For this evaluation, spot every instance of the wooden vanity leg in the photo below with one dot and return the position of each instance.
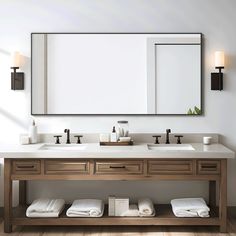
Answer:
(7, 196)
(212, 194)
(223, 197)
(22, 192)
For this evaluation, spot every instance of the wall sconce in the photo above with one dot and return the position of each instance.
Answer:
(217, 78)
(17, 78)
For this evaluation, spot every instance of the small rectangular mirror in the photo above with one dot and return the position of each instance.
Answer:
(116, 73)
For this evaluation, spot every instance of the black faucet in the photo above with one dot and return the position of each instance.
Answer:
(67, 131)
(168, 131)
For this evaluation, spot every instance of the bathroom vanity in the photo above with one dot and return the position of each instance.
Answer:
(139, 162)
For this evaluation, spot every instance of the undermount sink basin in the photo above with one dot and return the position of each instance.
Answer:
(66, 147)
(171, 147)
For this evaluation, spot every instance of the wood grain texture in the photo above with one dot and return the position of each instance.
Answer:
(223, 197)
(208, 167)
(7, 196)
(118, 169)
(164, 216)
(123, 230)
(170, 167)
(65, 167)
(26, 167)
(114, 167)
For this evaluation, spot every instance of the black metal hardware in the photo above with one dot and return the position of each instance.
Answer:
(57, 138)
(115, 33)
(25, 167)
(156, 138)
(78, 138)
(117, 167)
(168, 131)
(217, 80)
(67, 131)
(178, 138)
(209, 166)
(17, 79)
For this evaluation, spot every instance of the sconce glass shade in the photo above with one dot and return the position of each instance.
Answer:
(17, 78)
(219, 59)
(16, 59)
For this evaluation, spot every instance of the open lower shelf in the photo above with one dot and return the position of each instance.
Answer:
(164, 216)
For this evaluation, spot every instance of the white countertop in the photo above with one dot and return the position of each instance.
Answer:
(94, 150)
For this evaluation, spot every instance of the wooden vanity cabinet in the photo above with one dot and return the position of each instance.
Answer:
(171, 167)
(66, 167)
(121, 167)
(208, 167)
(26, 167)
(212, 170)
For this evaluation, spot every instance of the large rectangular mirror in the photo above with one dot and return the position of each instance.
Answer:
(114, 73)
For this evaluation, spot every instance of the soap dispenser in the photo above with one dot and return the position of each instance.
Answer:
(114, 135)
(33, 134)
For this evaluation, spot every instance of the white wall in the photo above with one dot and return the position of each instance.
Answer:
(214, 18)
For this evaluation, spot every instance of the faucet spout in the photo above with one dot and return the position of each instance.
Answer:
(67, 131)
(168, 131)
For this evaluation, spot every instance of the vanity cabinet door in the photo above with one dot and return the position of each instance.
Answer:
(66, 167)
(119, 167)
(24, 167)
(163, 167)
(208, 167)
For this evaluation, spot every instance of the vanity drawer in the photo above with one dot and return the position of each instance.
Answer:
(208, 167)
(26, 167)
(163, 167)
(119, 167)
(67, 167)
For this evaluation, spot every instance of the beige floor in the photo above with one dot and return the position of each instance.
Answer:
(120, 230)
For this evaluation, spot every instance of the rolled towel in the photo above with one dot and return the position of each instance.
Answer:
(133, 211)
(190, 207)
(44, 207)
(86, 208)
(145, 207)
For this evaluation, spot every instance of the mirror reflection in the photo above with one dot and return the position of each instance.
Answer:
(128, 73)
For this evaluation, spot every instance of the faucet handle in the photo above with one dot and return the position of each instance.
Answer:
(157, 138)
(178, 138)
(57, 138)
(78, 138)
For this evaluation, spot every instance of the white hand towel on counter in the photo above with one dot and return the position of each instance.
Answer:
(133, 211)
(146, 207)
(86, 208)
(190, 207)
(44, 207)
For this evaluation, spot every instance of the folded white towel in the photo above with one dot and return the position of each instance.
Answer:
(44, 207)
(145, 207)
(86, 208)
(190, 207)
(133, 211)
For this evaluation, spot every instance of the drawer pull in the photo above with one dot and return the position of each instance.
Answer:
(117, 167)
(209, 166)
(25, 167)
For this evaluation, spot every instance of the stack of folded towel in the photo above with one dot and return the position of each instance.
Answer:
(190, 207)
(86, 208)
(145, 207)
(45, 208)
